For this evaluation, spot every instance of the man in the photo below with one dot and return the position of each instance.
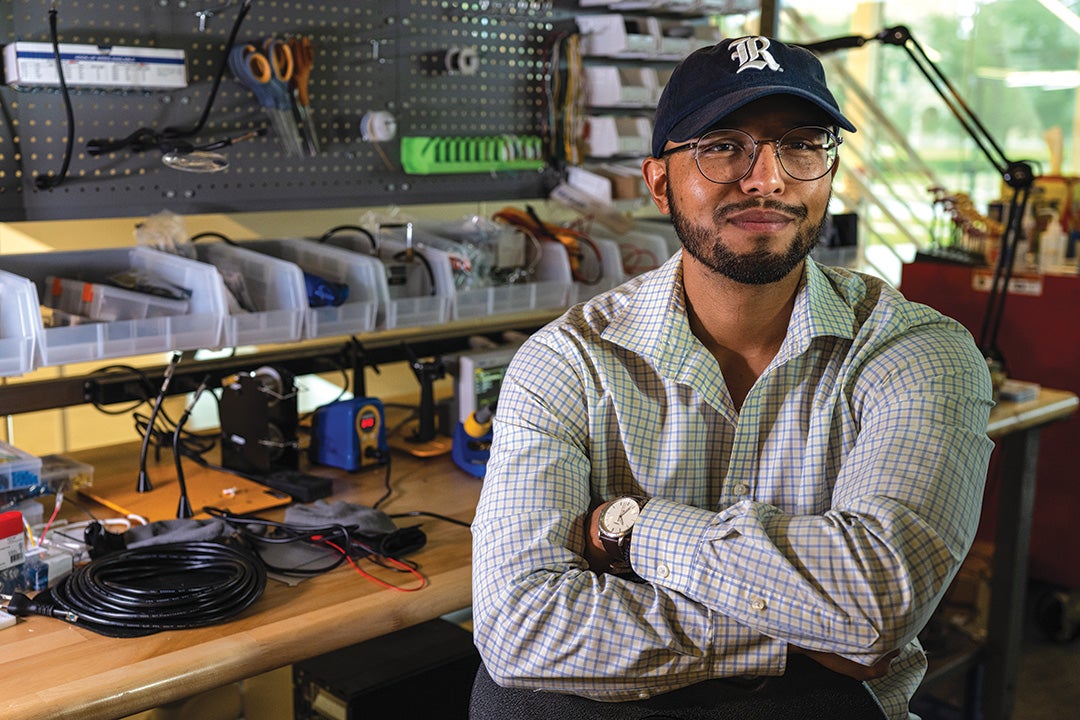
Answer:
(740, 465)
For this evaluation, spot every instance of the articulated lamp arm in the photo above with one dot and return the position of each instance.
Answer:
(1018, 175)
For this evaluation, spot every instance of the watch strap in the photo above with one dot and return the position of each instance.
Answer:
(619, 548)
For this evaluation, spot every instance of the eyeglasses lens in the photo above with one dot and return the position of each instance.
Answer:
(805, 153)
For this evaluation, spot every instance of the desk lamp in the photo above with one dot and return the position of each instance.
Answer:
(1017, 175)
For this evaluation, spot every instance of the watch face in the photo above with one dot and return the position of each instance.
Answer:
(620, 516)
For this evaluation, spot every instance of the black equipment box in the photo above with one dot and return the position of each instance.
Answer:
(425, 670)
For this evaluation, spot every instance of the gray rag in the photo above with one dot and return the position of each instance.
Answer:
(366, 520)
(171, 531)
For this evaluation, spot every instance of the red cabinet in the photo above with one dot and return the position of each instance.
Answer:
(1039, 338)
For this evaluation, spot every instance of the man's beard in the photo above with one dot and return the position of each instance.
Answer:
(758, 267)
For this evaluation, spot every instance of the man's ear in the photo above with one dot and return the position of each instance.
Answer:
(654, 170)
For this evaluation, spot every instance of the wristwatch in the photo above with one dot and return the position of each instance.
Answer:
(616, 523)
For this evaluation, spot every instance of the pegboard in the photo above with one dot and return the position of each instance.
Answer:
(375, 55)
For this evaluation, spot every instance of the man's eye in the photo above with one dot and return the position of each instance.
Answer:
(719, 148)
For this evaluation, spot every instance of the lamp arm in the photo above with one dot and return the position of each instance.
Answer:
(1015, 174)
(1018, 175)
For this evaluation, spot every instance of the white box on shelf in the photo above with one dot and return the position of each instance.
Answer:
(610, 86)
(610, 136)
(619, 35)
(199, 327)
(602, 140)
(18, 315)
(705, 36)
(363, 276)
(592, 184)
(275, 288)
(676, 39)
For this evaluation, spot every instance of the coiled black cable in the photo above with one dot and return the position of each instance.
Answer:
(145, 590)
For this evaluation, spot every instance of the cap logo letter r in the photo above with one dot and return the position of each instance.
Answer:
(752, 53)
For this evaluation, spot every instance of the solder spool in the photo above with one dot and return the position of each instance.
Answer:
(258, 413)
(272, 383)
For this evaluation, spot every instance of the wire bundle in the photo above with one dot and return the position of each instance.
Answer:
(142, 591)
(586, 263)
(314, 550)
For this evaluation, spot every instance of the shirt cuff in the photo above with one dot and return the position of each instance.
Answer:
(666, 539)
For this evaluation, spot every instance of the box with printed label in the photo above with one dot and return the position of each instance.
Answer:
(12, 551)
(33, 65)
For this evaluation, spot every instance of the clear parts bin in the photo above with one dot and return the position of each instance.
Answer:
(273, 287)
(105, 303)
(18, 309)
(412, 297)
(199, 327)
(363, 276)
(550, 289)
(18, 469)
(611, 273)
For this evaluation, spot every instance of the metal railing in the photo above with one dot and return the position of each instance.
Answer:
(882, 178)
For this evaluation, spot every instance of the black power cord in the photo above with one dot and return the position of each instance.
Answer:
(170, 139)
(48, 182)
(132, 593)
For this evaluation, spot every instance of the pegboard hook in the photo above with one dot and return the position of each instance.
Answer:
(207, 13)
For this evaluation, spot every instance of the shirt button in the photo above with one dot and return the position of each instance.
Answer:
(643, 695)
(740, 489)
(663, 570)
(757, 604)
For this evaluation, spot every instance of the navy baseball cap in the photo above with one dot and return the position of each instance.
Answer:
(715, 81)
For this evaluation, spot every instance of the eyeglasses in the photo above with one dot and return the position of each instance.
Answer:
(727, 156)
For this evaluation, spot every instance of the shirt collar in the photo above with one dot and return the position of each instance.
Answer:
(663, 336)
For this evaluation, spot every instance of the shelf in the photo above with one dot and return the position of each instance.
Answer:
(301, 358)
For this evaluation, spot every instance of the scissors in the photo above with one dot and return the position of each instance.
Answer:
(303, 60)
(267, 73)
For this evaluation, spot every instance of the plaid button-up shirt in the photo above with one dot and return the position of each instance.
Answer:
(829, 512)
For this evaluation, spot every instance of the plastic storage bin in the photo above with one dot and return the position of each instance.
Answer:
(18, 469)
(363, 275)
(275, 287)
(18, 314)
(639, 251)
(611, 271)
(551, 289)
(412, 299)
(200, 327)
(106, 303)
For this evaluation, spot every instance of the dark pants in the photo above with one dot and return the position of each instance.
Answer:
(807, 691)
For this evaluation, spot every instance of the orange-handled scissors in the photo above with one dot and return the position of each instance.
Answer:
(303, 55)
(267, 73)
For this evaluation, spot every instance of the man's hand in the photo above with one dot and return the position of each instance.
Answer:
(847, 667)
(595, 552)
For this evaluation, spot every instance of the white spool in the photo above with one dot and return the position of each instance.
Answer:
(378, 126)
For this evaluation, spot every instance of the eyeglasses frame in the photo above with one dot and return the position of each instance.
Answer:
(775, 142)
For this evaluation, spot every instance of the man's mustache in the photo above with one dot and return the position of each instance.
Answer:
(797, 211)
